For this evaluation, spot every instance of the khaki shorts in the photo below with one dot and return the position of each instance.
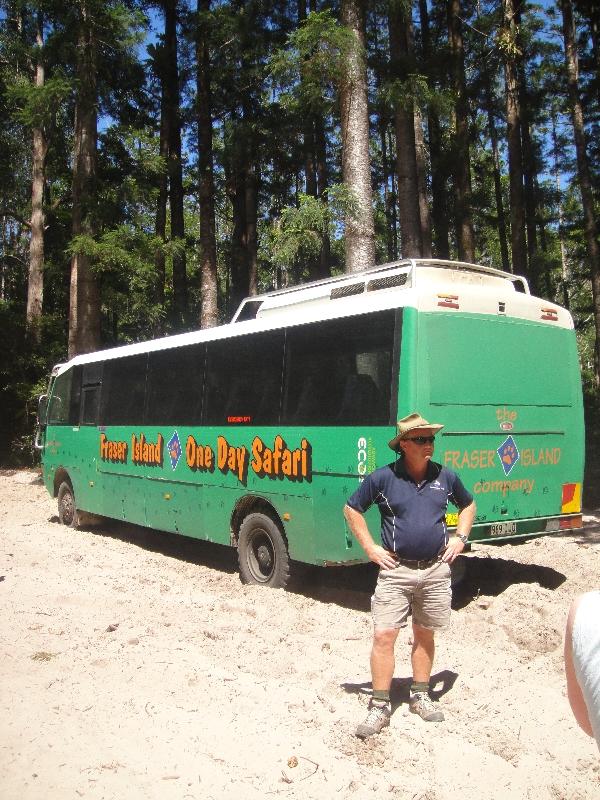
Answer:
(425, 592)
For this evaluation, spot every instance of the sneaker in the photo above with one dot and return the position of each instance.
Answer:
(377, 719)
(420, 703)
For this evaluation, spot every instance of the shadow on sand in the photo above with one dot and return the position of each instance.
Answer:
(491, 576)
(349, 587)
(441, 683)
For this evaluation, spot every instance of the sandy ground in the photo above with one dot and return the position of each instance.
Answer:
(135, 665)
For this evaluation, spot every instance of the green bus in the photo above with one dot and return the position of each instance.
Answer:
(254, 433)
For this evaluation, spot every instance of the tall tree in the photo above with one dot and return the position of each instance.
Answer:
(583, 170)
(206, 183)
(494, 140)
(439, 170)
(356, 163)
(175, 165)
(511, 52)
(160, 220)
(462, 167)
(84, 308)
(530, 157)
(35, 283)
(402, 58)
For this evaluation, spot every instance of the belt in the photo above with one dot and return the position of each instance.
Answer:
(407, 562)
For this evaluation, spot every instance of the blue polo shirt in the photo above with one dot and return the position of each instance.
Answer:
(413, 521)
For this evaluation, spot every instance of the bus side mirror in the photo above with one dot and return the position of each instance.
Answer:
(42, 409)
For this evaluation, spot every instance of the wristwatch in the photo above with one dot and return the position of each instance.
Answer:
(464, 539)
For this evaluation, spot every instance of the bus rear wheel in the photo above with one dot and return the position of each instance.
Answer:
(67, 510)
(262, 552)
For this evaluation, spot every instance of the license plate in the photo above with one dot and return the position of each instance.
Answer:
(503, 528)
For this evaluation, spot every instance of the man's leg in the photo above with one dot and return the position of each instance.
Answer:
(382, 672)
(423, 652)
(390, 606)
(431, 612)
(382, 658)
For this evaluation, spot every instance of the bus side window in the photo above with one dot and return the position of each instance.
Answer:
(123, 390)
(175, 386)
(360, 401)
(243, 379)
(339, 372)
(60, 402)
(91, 384)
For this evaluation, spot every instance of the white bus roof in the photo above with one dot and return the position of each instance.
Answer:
(425, 284)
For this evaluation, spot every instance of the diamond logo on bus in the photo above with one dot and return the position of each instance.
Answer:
(508, 454)
(174, 446)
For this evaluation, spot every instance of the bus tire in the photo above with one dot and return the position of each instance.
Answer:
(67, 510)
(262, 552)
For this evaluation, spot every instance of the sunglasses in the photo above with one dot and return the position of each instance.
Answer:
(420, 439)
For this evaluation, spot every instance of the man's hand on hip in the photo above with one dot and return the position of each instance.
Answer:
(379, 555)
(453, 549)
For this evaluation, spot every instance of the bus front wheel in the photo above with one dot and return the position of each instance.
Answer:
(67, 510)
(262, 552)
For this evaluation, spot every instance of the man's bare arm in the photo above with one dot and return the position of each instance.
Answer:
(375, 552)
(466, 517)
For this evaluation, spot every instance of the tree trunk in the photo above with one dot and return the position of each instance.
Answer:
(84, 308)
(180, 290)
(206, 183)
(529, 173)
(309, 146)
(356, 165)
(322, 177)
(160, 225)
(322, 185)
(406, 157)
(591, 13)
(439, 198)
(515, 157)
(424, 215)
(35, 284)
(236, 190)
(502, 234)
(564, 266)
(583, 171)
(388, 193)
(462, 170)
(251, 227)
(530, 191)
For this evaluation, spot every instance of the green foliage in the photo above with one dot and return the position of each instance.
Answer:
(24, 368)
(314, 59)
(35, 106)
(507, 42)
(416, 90)
(299, 232)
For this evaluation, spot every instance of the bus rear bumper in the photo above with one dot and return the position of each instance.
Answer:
(525, 528)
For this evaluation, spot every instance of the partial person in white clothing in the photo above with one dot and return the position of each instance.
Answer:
(582, 662)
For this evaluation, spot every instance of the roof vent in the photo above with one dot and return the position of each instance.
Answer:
(387, 282)
(347, 291)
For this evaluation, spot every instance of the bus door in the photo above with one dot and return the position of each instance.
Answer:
(120, 475)
(174, 488)
(174, 492)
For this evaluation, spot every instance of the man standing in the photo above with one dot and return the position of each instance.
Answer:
(414, 559)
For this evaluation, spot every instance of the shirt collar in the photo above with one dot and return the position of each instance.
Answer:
(433, 470)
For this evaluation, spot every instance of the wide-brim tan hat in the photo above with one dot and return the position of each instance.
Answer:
(407, 424)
